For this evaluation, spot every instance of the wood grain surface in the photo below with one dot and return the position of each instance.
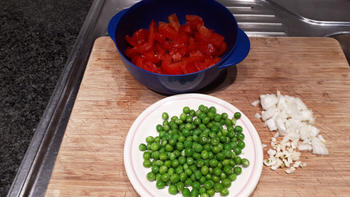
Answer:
(90, 160)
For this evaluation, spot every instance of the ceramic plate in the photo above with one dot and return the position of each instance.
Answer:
(145, 125)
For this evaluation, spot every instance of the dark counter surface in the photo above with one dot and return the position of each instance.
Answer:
(36, 38)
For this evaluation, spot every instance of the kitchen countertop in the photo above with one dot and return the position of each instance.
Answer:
(35, 41)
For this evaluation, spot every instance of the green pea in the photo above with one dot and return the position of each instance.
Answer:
(163, 169)
(188, 172)
(172, 190)
(224, 192)
(211, 192)
(240, 136)
(226, 183)
(197, 121)
(186, 110)
(186, 192)
(202, 180)
(238, 160)
(158, 163)
(212, 109)
(142, 147)
(237, 150)
(169, 148)
(238, 129)
(165, 116)
(198, 147)
(180, 186)
(194, 192)
(163, 156)
(167, 163)
(159, 128)
(245, 163)
(151, 176)
(216, 149)
(202, 190)
(188, 182)
(174, 178)
(206, 120)
(183, 117)
(220, 156)
(232, 177)
(208, 184)
(149, 139)
(181, 138)
(155, 169)
(241, 144)
(189, 119)
(188, 126)
(218, 187)
(175, 163)
(192, 112)
(171, 171)
(197, 174)
(160, 184)
(227, 169)
(213, 163)
(190, 161)
(216, 179)
(188, 152)
(183, 177)
(166, 127)
(205, 170)
(155, 146)
(237, 170)
(217, 171)
(146, 155)
(217, 117)
(237, 115)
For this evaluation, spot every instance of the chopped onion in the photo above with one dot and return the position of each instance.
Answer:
(292, 120)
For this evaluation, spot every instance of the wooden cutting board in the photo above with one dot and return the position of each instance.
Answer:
(90, 161)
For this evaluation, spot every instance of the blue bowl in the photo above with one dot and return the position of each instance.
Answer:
(215, 17)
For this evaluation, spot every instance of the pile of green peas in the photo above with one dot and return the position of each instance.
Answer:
(198, 150)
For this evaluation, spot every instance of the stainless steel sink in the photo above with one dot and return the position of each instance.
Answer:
(256, 17)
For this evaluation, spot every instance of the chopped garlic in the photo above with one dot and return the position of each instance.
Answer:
(290, 170)
(257, 115)
(255, 103)
(318, 147)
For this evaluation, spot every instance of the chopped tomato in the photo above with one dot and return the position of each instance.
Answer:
(172, 48)
(138, 38)
(174, 22)
(194, 21)
(152, 32)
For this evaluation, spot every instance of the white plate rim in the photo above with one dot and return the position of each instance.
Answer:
(258, 164)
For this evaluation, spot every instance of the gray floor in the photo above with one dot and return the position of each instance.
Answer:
(36, 38)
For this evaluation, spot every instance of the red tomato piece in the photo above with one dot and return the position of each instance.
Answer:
(174, 68)
(151, 56)
(167, 30)
(174, 22)
(152, 32)
(138, 38)
(204, 33)
(194, 21)
(131, 52)
(185, 29)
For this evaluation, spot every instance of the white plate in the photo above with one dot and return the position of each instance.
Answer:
(145, 125)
